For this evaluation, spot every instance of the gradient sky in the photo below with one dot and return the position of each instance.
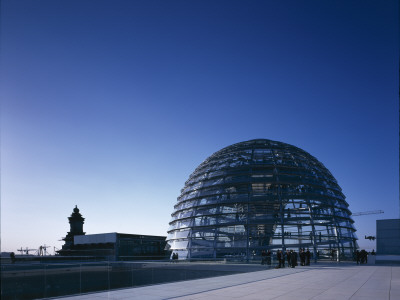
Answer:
(110, 105)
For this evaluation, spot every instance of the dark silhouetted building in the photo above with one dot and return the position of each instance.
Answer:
(76, 228)
(120, 246)
(110, 246)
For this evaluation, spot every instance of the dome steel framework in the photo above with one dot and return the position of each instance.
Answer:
(259, 195)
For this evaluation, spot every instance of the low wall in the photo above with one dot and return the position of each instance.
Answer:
(387, 259)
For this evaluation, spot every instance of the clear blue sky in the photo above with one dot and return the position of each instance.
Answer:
(110, 105)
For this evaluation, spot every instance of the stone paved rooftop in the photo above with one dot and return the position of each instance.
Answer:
(329, 281)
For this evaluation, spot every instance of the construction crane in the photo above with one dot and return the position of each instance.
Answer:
(42, 250)
(371, 212)
(26, 250)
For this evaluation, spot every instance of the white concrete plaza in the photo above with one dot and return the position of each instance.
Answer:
(329, 281)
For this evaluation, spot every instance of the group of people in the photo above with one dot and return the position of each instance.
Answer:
(174, 257)
(266, 257)
(289, 256)
(305, 257)
(361, 257)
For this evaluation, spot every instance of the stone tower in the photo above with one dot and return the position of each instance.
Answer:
(76, 228)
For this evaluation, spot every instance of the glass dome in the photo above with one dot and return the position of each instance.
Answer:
(260, 195)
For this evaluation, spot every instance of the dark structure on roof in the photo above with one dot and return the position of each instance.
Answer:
(110, 246)
(76, 228)
(259, 195)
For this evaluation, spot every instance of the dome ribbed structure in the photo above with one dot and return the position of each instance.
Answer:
(260, 195)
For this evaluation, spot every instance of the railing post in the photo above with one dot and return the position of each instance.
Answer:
(45, 281)
(80, 278)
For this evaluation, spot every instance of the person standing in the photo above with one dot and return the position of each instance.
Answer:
(269, 257)
(358, 257)
(308, 257)
(364, 256)
(263, 257)
(288, 258)
(279, 258)
(302, 257)
(294, 258)
(12, 257)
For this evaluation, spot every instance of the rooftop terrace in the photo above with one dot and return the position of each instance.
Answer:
(324, 281)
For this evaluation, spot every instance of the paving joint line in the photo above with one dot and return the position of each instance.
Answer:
(233, 285)
(363, 284)
(293, 290)
(335, 285)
